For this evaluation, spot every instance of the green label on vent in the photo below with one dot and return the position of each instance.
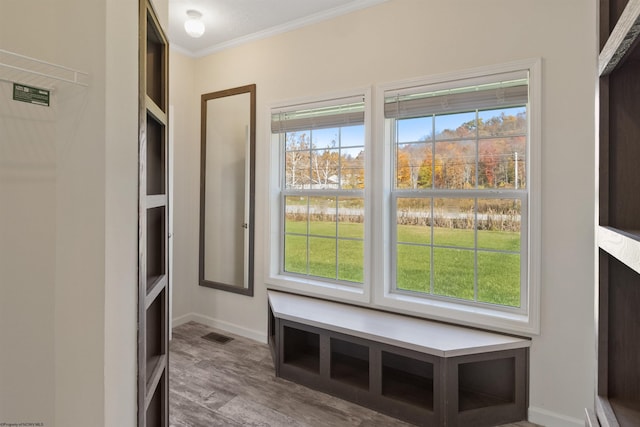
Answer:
(32, 95)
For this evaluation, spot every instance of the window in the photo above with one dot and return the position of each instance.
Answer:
(322, 181)
(459, 192)
(437, 216)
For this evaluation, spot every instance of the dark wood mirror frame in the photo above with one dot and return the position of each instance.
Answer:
(251, 90)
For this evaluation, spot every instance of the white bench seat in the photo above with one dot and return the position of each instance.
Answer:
(425, 336)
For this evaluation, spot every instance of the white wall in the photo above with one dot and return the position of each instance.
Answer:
(121, 223)
(27, 258)
(68, 239)
(36, 156)
(411, 38)
(186, 181)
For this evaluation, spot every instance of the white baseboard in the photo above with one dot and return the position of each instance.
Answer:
(547, 418)
(181, 320)
(222, 325)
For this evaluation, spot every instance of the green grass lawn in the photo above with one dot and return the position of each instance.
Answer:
(498, 274)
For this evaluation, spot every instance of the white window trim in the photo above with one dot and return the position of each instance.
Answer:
(527, 322)
(358, 294)
(376, 290)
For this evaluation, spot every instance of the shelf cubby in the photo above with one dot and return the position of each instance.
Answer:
(156, 64)
(156, 238)
(486, 383)
(301, 349)
(155, 318)
(350, 363)
(154, 412)
(156, 157)
(623, 348)
(407, 380)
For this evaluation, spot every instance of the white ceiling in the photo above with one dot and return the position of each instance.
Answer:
(232, 22)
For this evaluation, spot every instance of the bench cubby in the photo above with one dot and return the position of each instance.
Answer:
(433, 379)
(349, 363)
(301, 348)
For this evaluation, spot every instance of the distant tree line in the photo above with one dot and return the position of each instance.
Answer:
(484, 154)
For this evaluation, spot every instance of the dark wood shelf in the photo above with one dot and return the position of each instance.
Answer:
(153, 215)
(156, 201)
(156, 367)
(624, 245)
(617, 397)
(621, 38)
(155, 111)
(157, 285)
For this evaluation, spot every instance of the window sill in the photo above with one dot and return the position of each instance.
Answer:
(462, 314)
(439, 310)
(319, 289)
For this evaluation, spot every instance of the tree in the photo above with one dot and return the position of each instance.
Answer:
(425, 174)
(357, 169)
(325, 167)
(403, 170)
(297, 160)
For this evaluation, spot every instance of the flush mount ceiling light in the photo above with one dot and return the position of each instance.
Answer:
(194, 26)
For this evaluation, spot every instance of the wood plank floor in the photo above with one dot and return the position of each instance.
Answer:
(234, 384)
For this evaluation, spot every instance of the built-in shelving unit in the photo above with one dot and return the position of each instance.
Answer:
(153, 287)
(618, 231)
(423, 372)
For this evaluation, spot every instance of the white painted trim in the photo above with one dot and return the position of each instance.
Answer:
(376, 289)
(303, 285)
(283, 28)
(170, 202)
(181, 320)
(552, 419)
(259, 336)
(475, 315)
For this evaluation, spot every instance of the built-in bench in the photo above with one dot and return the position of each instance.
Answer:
(424, 372)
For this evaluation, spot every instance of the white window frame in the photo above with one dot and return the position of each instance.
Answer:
(307, 285)
(377, 292)
(525, 320)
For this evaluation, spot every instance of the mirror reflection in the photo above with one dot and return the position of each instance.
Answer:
(226, 189)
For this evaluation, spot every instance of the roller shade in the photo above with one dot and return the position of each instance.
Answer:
(425, 102)
(342, 112)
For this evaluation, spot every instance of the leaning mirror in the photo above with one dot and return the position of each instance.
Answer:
(227, 185)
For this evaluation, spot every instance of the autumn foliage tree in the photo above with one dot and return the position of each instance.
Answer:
(329, 166)
(480, 153)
